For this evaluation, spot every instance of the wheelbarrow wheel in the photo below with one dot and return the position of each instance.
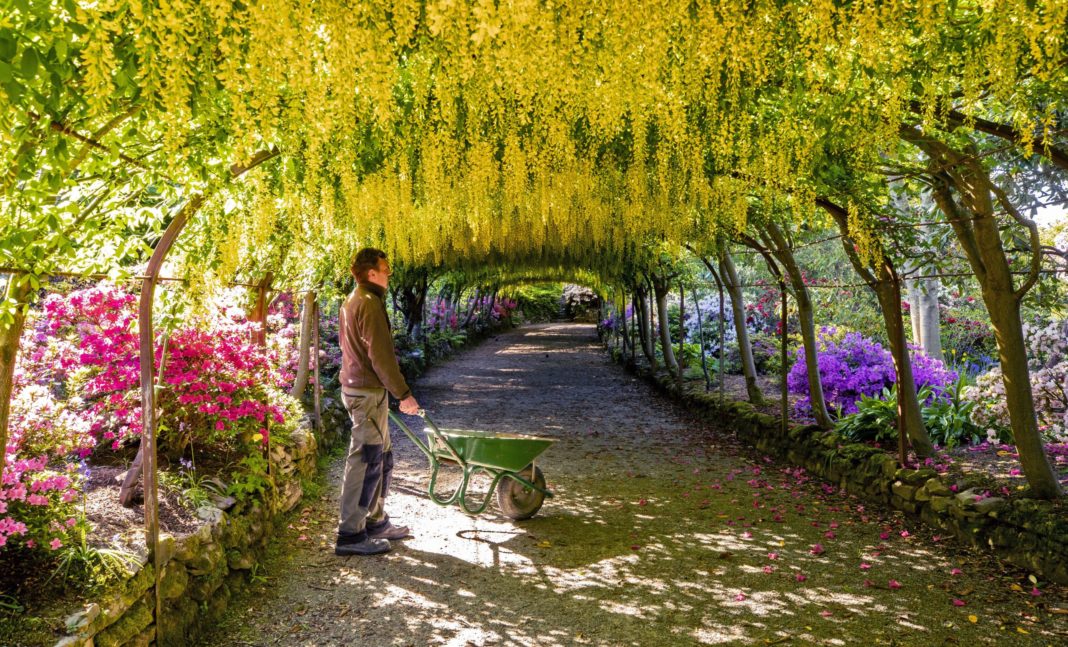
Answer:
(518, 501)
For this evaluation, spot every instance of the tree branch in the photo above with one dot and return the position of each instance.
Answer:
(1058, 156)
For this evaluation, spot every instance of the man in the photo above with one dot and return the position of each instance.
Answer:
(368, 370)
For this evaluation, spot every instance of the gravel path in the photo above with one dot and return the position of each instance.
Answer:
(663, 532)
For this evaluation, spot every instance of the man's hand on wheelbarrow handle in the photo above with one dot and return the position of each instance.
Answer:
(409, 406)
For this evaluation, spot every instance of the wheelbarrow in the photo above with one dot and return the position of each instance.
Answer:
(507, 458)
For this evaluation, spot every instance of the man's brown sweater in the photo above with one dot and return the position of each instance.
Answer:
(368, 359)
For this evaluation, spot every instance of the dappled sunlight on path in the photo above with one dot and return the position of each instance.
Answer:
(662, 531)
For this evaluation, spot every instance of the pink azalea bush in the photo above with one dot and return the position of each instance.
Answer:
(77, 391)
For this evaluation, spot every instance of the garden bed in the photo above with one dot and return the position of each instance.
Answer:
(210, 550)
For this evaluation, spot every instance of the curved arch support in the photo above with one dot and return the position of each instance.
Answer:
(146, 455)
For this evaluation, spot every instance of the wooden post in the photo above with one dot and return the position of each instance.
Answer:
(682, 334)
(259, 310)
(146, 455)
(259, 337)
(722, 342)
(784, 406)
(317, 389)
(148, 397)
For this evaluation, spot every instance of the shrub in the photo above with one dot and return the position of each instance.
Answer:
(852, 365)
(1047, 350)
(218, 386)
(77, 391)
(946, 418)
(537, 303)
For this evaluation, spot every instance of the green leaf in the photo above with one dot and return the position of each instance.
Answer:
(5, 72)
(14, 90)
(8, 47)
(29, 64)
(60, 47)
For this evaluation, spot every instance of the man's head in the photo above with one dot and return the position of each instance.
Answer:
(370, 266)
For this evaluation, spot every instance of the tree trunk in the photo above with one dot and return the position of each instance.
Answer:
(660, 289)
(976, 227)
(682, 335)
(745, 347)
(888, 291)
(645, 327)
(701, 338)
(908, 404)
(19, 294)
(307, 316)
(923, 307)
(781, 248)
(1012, 352)
(411, 305)
(471, 309)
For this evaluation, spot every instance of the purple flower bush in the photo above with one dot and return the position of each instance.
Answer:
(852, 365)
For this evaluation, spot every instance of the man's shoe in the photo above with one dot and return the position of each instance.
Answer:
(369, 546)
(390, 532)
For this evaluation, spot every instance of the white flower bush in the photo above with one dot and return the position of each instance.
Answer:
(1047, 348)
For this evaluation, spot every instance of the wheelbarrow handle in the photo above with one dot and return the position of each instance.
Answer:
(435, 430)
(441, 437)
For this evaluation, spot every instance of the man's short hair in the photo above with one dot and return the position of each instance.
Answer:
(365, 261)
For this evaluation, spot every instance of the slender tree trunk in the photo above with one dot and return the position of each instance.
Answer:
(908, 405)
(660, 289)
(781, 248)
(682, 335)
(923, 310)
(633, 330)
(474, 306)
(645, 331)
(888, 291)
(19, 294)
(307, 317)
(745, 347)
(701, 340)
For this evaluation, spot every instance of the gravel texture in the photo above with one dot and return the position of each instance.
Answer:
(663, 531)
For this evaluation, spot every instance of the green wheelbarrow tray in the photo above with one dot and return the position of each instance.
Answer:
(507, 458)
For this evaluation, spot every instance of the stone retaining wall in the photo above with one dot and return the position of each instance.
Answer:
(202, 570)
(1028, 533)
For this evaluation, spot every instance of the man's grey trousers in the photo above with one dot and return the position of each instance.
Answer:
(369, 465)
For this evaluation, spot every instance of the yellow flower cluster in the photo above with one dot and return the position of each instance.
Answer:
(548, 133)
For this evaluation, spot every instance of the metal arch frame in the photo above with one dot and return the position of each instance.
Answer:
(147, 370)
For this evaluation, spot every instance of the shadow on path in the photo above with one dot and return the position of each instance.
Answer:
(663, 531)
